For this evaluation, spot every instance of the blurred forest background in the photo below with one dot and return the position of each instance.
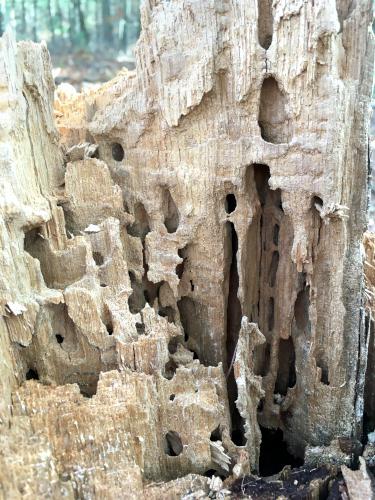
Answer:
(89, 40)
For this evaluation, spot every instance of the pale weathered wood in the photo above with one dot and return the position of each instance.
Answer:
(227, 188)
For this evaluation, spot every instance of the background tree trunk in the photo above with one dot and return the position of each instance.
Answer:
(72, 24)
(106, 23)
(1, 22)
(98, 30)
(50, 21)
(23, 17)
(60, 20)
(35, 20)
(81, 20)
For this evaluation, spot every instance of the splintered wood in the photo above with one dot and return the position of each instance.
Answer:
(182, 269)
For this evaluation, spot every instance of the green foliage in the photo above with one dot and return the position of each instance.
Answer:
(89, 25)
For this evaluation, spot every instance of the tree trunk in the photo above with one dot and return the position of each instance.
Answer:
(82, 25)
(13, 15)
(59, 21)
(23, 18)
(50, 22)
(72, 24)
(106, 23)
(124, 37)
(187, 290)
(1, 22)
(98, 29)
(35, 20)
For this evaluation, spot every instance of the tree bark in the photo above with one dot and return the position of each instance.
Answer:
(183, 295)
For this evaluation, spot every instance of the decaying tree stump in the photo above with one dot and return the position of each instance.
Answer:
(185, 283)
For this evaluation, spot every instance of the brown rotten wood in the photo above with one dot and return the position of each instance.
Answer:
(186, 298)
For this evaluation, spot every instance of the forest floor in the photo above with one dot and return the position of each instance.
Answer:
(87, 69)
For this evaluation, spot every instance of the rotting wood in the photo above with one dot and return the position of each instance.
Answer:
(226, 184)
